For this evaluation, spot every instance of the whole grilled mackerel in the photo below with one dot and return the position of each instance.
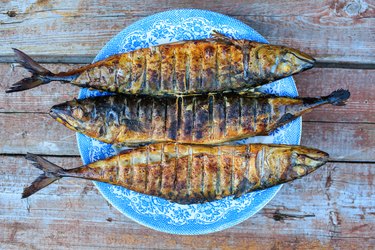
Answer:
(187, 67)
(203, 119)
(191, 174)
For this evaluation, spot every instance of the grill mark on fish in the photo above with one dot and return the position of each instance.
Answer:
(246, 57)
(247, 159)
(138, 109)
(147, 166)
(232, 173)
(115, 81)
(174, 84)
(194, 117)
(200, 74)
(239, 126)
(255, 115)
(132, 81)
(162, 160)
(202, 118)
(131, 171)
(121, 173)
(175, 167)
(211, 114)
(260, 165)
(218, 173)
(189, 166)
(216, 75)
(117, 169)
(145, 85)
(187, 71)
(179, 117)
(165, 118)
(159, 83)
(203, 175)
(130, 70)
(151, 120)
(225, 116)
(231, 69)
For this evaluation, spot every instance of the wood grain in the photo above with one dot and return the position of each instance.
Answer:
(331, 208)
(333, 31)
(360, 107)
(22, 131)
(40, 99)
(35, 133)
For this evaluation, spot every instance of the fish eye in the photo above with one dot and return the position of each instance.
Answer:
(285, 60)
(78, 113)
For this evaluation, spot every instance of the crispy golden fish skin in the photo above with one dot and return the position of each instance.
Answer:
(189, 174)
(204, 119)
(187, 67)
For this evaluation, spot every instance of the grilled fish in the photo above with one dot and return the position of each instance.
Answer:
(189, 174)
(187, 67)
(204, 119)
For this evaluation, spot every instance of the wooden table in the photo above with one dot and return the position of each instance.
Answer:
(332, 208)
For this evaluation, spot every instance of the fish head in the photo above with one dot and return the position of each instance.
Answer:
(277, 62)
(306, 160)
(74, 114)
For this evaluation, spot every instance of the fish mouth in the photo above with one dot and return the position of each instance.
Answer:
(311, 160)
(306, 61)
(62, 116)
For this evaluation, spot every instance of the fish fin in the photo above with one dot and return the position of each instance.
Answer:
(39, 183)
(51, 174)
(40, 75)
(338, 97)
(226, 39)
(243, 188)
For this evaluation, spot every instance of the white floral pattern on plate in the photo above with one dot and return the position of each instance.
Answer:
(157, 213)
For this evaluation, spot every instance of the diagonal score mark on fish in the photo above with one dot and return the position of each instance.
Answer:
(148, 71)
(113, 120)
(270, 165)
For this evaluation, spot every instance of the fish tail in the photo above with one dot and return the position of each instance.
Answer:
(51, 174)
(338, 97)
(40, 75)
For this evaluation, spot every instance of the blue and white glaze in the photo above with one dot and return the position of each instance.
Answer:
(156, 213)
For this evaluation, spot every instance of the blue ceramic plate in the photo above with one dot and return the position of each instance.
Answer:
(156, 213)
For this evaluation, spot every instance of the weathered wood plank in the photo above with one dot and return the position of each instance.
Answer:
(38, 133)
(339, 31)
(343, 141)
(315, 82)
(331, 208)
(359, 108)
(40, 99)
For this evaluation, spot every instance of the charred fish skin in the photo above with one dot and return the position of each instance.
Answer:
(204, 119)
(187, 67)
(194, 67)
(190, 174)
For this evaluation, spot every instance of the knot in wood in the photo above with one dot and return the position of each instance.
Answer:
(11, 13)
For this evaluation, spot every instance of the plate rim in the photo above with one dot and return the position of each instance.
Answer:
(237, 220)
